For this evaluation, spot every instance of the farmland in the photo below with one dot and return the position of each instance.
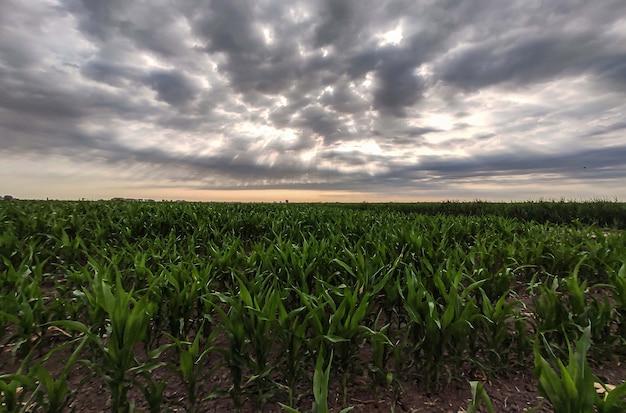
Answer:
(302, 307)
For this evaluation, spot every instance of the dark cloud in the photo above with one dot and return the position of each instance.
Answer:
(111, 73)
(344, 100)
(520, 61)
(612, 68)
(335, 17)
(322, 122)
(412, 132)
(398, 87)
(101, 20)
(172, 87)
(603, 162)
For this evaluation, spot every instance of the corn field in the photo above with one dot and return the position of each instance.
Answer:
(278, 303)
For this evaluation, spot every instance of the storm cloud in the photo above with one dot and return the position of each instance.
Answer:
(388, 100)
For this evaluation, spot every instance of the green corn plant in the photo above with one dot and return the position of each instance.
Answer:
(571, 389)
(21, 294)
(600, 313)
(618, 284)
(129, 321)
(14, 387)
(575, 389)
(291, 329)
(236, 355)
(11, 393)
(262, 302)
(495, 329)
(580, 309)
(90, 294)
(613, 400)
(551, 315)
(181, 296)
(53, 395)
(576, 296)
(439, 328)
(191, 367)
(29, 312)
(321, 379)
(258, 310)
(347, 327)
(8, 315)
(479, 394)
(153, 391)
(380, 345)
(317, 323)
(155, 292)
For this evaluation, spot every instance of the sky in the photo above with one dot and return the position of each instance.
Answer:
(313, 100)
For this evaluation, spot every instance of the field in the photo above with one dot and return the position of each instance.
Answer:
(131, 306)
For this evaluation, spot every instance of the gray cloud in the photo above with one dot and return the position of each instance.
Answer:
(532, 58)
(336, 95)
(171, 87)
(111, 73)
(398, 87)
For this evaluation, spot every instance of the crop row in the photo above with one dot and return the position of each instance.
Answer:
(596, 212)
(287, 299)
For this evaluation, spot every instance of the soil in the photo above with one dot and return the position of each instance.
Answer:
(509, 391)
(513, 391)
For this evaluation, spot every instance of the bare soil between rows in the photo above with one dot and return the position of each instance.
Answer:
(511, 391)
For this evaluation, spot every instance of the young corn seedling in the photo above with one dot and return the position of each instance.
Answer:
(12, 391)
(257, 305)
(8, 315)
(582, 310)
(345, 330)
(380, 345)
(129, 320)
(153, 391)
(182, 296)
(612, 400)
(551, 315)
(439, 327)
(54, 395)
(347, 323)
(618, 284)
(479, 394)
(291, 329)
(191, 367)
(317, 324)
(236, 356)
(571, 389)
(321, 380)
(497, 320)
(24, 308)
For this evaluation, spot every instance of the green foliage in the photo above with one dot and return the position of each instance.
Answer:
(321, 378)
(479, 394)
(12, 394)
(570, 389)
(613, 400)
(291, 297)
